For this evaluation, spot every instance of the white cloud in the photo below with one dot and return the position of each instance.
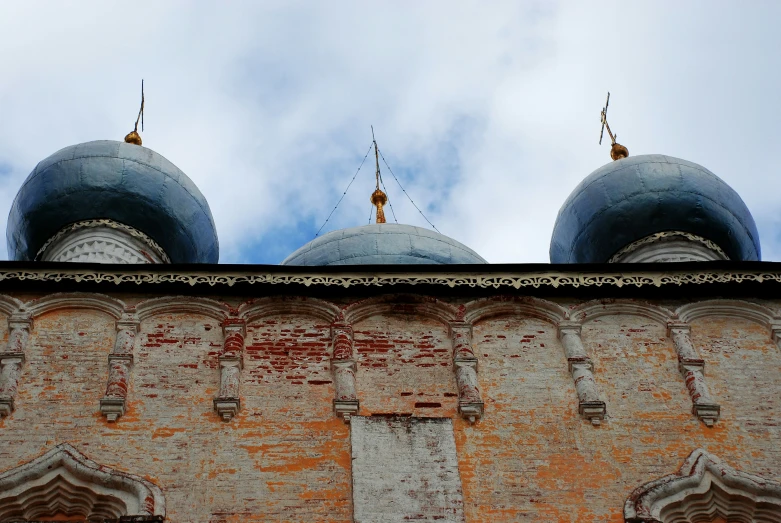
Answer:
(489, 112)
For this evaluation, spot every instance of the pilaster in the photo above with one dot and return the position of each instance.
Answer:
(590, 405)
(228, 402)
(12, 359)
(343, 367)
(120, 361)
(692, 368)
(465, 365)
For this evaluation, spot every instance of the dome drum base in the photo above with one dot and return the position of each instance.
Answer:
(101, 241)
(669, 246)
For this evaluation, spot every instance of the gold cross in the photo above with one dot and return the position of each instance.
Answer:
(133, 136)
(617, 151)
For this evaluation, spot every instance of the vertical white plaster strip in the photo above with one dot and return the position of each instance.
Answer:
(405, 469)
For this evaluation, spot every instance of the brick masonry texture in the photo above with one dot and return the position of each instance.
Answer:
(405, 469)
(287, 457)
(405, 366)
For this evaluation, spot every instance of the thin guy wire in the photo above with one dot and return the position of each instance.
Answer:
(345, 191)
(388, 197)
(405, 192)
(371, 210)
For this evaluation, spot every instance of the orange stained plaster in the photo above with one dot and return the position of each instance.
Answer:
(166, 432)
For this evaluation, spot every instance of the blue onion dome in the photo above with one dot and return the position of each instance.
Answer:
(383, 244)
(123, 184)
(645, 199)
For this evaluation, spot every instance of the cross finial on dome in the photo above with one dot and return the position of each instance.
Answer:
(378, 198)
(133, 136)
(617, 151)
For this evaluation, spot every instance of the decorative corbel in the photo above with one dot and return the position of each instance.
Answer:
(692, 368)
(590, 406)
(343, 366)
(120, 361)
(775, 334)
(470, 404)
(11, 360)
(228, 403)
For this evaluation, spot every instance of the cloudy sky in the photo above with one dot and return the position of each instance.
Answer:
(488, 112)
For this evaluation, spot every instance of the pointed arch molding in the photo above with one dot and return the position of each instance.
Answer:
(65, 481)
(703, 489)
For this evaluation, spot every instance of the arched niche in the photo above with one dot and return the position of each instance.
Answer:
(705, 490)
(65, 483)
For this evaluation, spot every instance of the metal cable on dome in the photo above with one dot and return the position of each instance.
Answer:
(345, 191)
(389, 202)
(405, 193)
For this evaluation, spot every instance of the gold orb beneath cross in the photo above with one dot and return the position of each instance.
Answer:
(133, 137)
(378, 198)
(618, 151)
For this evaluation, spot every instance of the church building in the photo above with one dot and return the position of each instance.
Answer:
(385, 373)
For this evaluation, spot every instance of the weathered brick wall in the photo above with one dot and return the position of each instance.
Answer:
(405, 366)
(744, 373)
(299, 450)
(508, 460)
(286, 457)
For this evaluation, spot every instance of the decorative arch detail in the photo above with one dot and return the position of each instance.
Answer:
(9, 305)
(608, 307)
(423, 305)
(65, 482)
(265, 307)
(176, 304)
(703, 489)
(77, 300)
(730, 308)
(486, 308)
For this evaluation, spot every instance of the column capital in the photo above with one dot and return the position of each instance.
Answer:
(234, 325)
(20, 320)
(569, 327)
(459, 327)
(678, 326)
(341, 328)
(775, 332)
(10, 357)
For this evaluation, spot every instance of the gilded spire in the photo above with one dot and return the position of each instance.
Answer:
(617, 151)
(133, 136)
(378, 198)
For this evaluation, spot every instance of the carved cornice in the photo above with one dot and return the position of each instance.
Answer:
(473, 278)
